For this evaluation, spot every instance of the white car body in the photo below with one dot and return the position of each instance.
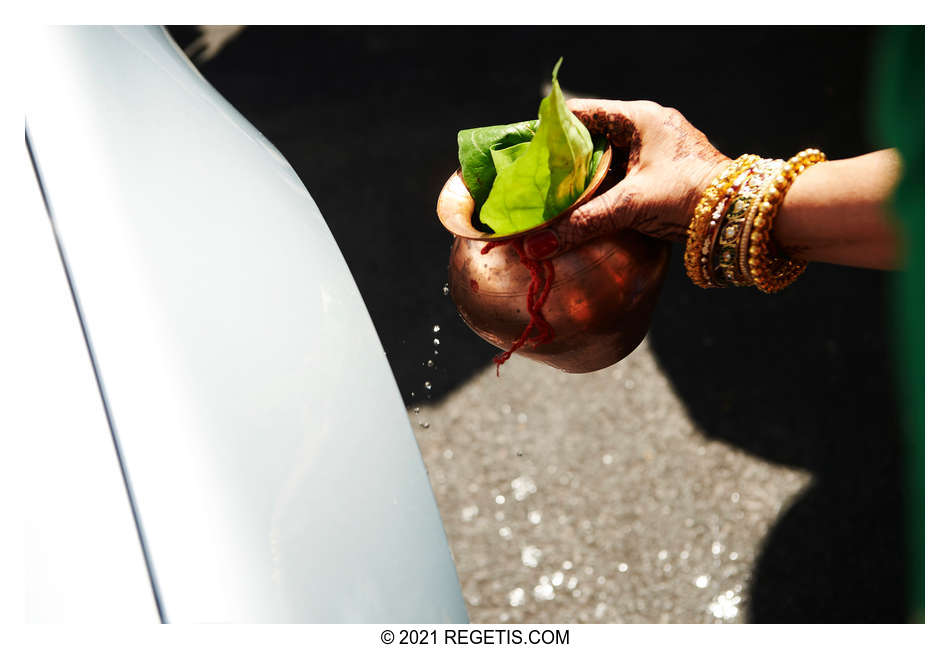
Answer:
(236, 450)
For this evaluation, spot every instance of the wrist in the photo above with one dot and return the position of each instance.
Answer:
(682, 213)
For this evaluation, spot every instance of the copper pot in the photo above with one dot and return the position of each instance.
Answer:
(600, 302)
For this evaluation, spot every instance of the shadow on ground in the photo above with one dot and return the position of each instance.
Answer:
(368, 117)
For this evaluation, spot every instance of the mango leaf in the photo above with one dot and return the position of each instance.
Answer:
(476, 158)
(547, 177)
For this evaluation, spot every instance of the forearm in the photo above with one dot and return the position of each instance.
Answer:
(839, 212)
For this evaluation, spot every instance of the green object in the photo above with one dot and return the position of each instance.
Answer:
(528, 180)
(899, 122)
(477, 147)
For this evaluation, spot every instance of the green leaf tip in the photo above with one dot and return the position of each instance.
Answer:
(557, 66)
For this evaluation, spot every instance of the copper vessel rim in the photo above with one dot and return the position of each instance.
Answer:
(461, 224)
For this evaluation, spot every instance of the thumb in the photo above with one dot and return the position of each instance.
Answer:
(604, 214)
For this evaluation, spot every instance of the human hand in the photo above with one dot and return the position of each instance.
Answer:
(668, 165)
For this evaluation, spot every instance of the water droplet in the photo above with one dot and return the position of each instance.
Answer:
(448, 454)
(600, 611)
(557, 579)
(622, 567)
(470, 512)
(716, 547)
(662, 554)
(430, 363)
(567, 565)
(725, 606)
(445, 290)
(607, 459)
(436, 329)
(572, 583)
(416, 410)
(499, 499)
(601, 580)
(425, 424)
(534, 517)
(702, 581)
(435, 341)
(733, 556)
(523, 486)
(516, 597)
(522, 418)
(499, 516)
(428, 385)
(435, 351)
(544, 591)
(734, 497)
(628, 384)
(530, 556)
(505, 532)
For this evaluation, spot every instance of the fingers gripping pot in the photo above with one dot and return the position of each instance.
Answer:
(600, 301)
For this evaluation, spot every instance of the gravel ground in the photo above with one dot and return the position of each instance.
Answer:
(611, 507)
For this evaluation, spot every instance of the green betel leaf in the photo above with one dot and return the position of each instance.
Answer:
(548, 176)
(600, 147)
(477, 147)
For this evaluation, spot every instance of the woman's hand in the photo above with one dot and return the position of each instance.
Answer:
(668, 165)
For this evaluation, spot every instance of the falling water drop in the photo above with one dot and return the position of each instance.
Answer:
(445, 290)
(428, 385)
(435, 341)
(436, 329)
(430, 363)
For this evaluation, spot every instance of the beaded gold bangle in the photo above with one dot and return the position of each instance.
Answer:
(770, 269)
(723, 207)
(727, 249)
(757, 190)
(701, 216)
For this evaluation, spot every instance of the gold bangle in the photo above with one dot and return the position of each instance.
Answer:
(727, 269)
(701, 217)
(770, 269)
(757, 190)
(710, 252)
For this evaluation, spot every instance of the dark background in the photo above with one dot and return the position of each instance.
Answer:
(368, 117)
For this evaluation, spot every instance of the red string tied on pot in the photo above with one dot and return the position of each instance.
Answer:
(542, 278)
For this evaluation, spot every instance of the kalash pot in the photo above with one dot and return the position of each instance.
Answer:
(601, 299)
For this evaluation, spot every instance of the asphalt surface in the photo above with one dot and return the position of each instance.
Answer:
(742, 466)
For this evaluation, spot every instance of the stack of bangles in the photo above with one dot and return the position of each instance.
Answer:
(729, 242)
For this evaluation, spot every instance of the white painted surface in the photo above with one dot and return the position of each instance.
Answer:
(273, 467)
(82, 561)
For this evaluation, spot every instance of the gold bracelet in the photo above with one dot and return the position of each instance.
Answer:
(710, 252)
(770, 269)
(727, 268)
(692, 259)
(762, 183)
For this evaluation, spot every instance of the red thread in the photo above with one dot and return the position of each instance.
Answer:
(540, 272)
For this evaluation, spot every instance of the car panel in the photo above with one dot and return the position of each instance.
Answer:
(271, 463)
